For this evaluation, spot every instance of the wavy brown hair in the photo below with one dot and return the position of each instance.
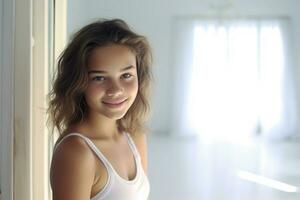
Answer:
(67, 104)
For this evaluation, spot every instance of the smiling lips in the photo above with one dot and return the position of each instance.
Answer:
(114, 103)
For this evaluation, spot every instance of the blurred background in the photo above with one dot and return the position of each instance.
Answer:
(225, 110)
(225, 121)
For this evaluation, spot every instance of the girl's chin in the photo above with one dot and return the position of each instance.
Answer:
(115, 116)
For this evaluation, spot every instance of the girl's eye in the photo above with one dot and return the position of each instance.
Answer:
(127, 76)
(98, 78)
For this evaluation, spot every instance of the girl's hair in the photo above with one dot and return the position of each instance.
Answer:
(67, 104)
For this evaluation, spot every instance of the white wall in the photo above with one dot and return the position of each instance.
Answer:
(154, 19)
(6, 99)
(1, 47)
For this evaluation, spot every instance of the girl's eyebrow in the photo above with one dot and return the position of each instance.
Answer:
(101, 71)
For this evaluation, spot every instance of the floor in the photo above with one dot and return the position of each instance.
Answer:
(188, 169)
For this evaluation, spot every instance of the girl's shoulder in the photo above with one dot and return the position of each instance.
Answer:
(71, 147)
(140, 139)
(72, 168)
(70, 142)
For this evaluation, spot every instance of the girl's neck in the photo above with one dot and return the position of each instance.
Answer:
(99, 127)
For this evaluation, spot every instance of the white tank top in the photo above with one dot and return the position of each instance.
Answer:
(116, 187)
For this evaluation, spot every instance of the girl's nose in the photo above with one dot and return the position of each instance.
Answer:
(114, 90)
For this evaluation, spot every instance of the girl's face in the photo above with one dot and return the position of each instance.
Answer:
(113, 81)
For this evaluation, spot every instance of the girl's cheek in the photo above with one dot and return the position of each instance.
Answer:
(131, 86)
(95, 89)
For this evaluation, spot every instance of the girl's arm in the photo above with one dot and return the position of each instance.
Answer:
(72, 170)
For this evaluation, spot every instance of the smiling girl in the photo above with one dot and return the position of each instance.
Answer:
(99, 104)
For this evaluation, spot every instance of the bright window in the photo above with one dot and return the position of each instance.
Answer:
(237, 78)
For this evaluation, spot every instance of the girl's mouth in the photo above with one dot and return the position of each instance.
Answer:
(115, 104)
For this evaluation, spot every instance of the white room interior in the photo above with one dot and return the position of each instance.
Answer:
(217, 163)
(182, 167)
(156, 19)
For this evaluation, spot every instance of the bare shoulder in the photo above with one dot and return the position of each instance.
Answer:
(140, 140)
(72, 170)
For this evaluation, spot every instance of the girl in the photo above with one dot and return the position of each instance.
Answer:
(99, 103)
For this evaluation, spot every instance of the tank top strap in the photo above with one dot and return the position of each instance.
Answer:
(91, 145)
(132, 145)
